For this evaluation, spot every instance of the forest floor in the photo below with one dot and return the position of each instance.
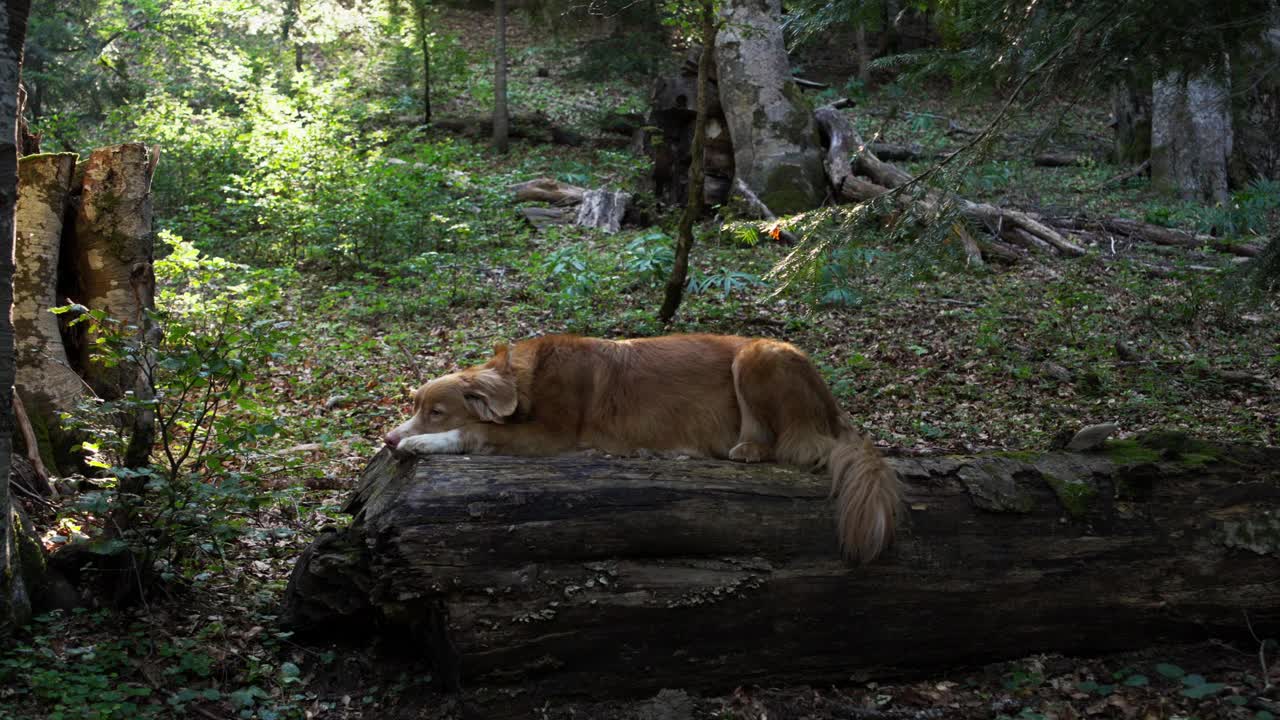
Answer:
(926, 354)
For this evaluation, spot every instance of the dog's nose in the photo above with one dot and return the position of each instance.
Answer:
(392, 439)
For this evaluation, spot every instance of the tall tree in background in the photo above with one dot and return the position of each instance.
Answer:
(292, 12)
(424, 40)
(15, 603)
(692, 208)
(501, 142)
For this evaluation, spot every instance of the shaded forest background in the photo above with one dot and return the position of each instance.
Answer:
(333, 224)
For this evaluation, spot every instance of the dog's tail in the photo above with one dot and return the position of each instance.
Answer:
(868, 497)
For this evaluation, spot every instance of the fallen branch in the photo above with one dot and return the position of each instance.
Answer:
(842, 139)
(1132, 173)
(762, 211)
(1157, 234)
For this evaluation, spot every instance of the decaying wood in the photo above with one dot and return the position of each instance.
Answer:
(33, 447)
(1059, 159)
(548, 190)
(45, 379)
(1157, 234)
(603, 209)
(115, 247)
(624, 576)
(843, 139)
(540, 218)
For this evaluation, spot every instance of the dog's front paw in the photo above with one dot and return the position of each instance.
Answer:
(431, 444)
(750, 452)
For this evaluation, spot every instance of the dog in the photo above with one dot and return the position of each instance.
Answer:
(718, 396)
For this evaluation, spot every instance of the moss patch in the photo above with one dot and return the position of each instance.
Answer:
(1130, 452)
(1075, 495)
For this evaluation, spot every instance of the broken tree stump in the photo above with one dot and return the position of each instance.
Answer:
(616, 577)
(601, 209)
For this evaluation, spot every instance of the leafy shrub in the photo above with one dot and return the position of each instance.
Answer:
(202, 372)
(651, 257)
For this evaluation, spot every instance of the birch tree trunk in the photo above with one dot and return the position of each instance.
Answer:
(15, 599)
(776, 149)
(45, 379)
(1191, 134)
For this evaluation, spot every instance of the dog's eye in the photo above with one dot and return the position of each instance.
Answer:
(435, 413)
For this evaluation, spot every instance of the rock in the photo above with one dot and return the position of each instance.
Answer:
(1055, 371)
(1092, 437)
(667, 705)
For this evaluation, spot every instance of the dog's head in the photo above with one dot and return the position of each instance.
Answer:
(480, 394)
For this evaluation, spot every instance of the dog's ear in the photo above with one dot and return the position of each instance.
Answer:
(490, 395)
(501, 359)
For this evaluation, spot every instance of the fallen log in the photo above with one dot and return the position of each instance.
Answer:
(538, 577)
(533, 127)
(1157, 234)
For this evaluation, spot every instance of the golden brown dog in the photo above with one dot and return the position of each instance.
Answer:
(703, 395)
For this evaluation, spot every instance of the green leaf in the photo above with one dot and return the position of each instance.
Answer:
(1170, 671)
(1203, 691)
(1193, 680)
(1137, 681)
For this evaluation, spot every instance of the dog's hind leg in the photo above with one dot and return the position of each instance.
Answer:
(755, 438)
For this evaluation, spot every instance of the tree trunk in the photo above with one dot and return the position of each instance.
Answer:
(15, 598)
(630, 575)
(1131, 107)
(864, 54)
(500, 141)
(775, 142)
(1256, 112)
(114, 248)
(45, 380)
(1191, 134)
(421, 11)
(693, 205)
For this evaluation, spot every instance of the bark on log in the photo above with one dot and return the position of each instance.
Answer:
(623, 576)
(115, 247)
(46, 382)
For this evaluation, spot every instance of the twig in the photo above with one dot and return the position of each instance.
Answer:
(29, 434)
(417, 372)
(1141, 168)
(1262, 653)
